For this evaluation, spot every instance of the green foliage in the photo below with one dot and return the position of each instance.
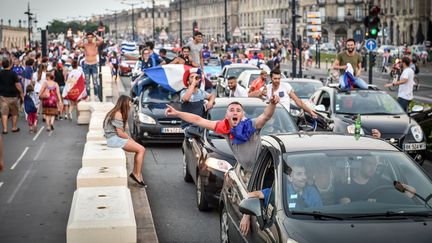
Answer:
(57, 26)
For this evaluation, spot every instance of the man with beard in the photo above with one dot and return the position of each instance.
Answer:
(350, 56)
(241, 133)
(185, 58)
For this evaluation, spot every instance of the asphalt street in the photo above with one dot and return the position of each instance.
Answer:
(38, 181)
(172, 201)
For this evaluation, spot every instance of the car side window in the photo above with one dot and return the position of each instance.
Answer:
(324, 99)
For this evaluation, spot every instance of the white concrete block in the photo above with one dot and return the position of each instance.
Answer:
(101, 106)
(97, 153)
(102, 176)
(95, 135)
(96, 123)
(101, 214)
(85, 105)
(84, 118)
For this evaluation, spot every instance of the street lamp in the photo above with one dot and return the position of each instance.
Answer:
(133, 16)
(181, 29)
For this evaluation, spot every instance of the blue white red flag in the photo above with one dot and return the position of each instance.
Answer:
(168, 76)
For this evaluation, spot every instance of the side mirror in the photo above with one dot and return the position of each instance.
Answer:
(320, 108)
(417, 108)
(135, 100)
(252, 206)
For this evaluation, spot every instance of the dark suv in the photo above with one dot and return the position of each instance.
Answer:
(338, 111)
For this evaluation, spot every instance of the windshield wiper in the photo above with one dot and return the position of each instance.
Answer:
(390, 214)
(317, 215)
(402, 188)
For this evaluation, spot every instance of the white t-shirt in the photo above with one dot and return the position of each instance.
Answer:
(239, 92)
(283, 92)
(38, 85)
(406, 89)
(195, 51)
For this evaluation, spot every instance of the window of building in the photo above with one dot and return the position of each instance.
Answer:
(322, 13)
(358, 12)
(341, 13)
(411, 7)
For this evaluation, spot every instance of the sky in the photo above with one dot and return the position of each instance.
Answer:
(66, 10)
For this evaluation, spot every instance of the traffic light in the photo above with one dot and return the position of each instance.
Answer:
(372, 22)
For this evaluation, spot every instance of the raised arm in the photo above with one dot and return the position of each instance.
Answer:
(301, 104)
(191, 118)
(268, 112)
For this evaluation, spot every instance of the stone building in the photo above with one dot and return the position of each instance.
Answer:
(13, 37)
(120, 23)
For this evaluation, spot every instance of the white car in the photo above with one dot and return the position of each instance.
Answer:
(304, 88)
(246, 77)
(232, 70)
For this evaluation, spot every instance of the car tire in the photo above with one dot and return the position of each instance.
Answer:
(186, 175)
(224, 226)
(202, 203)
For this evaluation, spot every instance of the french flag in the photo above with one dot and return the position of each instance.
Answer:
(169, 76)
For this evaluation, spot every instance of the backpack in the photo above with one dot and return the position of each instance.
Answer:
(29, 105)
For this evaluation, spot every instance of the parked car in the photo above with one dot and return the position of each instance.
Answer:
(207, 157)
(394, 51)
(127, 65)
(338, 110)
(248, 76)
(230, 70)
(149, 121)
(304, 89)
(314, 192)
(213, 68)
(328, 48)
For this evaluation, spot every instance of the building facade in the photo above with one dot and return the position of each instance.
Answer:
(13, 37)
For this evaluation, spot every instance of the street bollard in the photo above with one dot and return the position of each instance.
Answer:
(326, 63)
(305, 76)
(312, 77)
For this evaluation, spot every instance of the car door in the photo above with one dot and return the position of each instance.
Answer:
(323, 99)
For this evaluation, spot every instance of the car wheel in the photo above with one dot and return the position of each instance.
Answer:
(186, 176)
(202, 203)
(224, 226)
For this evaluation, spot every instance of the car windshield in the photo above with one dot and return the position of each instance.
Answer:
(280, 122)
(367, 103)
(237, 71)
(154, 93)
(304, 90)
(354, 183)
(213, 62)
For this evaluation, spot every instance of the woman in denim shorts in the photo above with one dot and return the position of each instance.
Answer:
(114, 128)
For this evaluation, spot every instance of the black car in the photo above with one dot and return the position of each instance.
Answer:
(338, 111)
(149, 120)
(326, 187)
(207, 157)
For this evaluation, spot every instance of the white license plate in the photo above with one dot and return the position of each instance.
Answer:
(414, 146)
(172, 130)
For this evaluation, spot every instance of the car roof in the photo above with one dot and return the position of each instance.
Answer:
(236, 65)
(245, 101)
(336, 88)
(298, 142)
(301, 80)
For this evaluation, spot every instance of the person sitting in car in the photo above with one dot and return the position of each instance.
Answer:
(184, 58)
(193, 98)
(299, 194)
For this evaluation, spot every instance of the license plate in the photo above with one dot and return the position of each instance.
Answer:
(172, 130)
(414, 146)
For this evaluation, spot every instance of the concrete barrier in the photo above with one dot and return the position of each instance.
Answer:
(101, 214)
(101, 106)
(102, 176)
(95, 135)
(84, 112)
(97, 153)
(96, 123)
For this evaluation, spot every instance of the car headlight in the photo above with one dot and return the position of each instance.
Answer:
(351, 129)
(218, 164)
(417, 133)
(146, 119)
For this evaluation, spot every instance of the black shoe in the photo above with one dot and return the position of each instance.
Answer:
(52, 127)
(137, 181)
(16, 130)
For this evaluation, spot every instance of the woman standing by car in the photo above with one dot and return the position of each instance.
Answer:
(114, 129)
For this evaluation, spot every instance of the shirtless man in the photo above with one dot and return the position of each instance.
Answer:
(90, 61)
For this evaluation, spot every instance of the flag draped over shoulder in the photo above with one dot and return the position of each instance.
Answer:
(75, 89)
(168, 76)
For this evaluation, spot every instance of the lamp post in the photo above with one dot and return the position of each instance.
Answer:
(133, 16)
(226, 21)
(30, 18)
(153, 18)
(181, 27)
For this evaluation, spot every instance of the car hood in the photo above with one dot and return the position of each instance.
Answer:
(158, 109)
(388, 125)
(358, 231)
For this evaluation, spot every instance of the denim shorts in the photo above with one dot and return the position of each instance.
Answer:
(116, 142)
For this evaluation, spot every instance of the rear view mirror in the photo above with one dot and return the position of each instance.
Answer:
(252, 206)
(320, 108)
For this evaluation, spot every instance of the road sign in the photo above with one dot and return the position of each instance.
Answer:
(313, 19)
(371, 44)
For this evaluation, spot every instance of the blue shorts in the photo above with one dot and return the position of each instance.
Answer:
(116, 142)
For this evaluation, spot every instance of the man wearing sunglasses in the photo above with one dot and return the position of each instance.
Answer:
(193, 98)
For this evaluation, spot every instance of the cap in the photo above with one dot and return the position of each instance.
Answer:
(187, 74)
(197, 33)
